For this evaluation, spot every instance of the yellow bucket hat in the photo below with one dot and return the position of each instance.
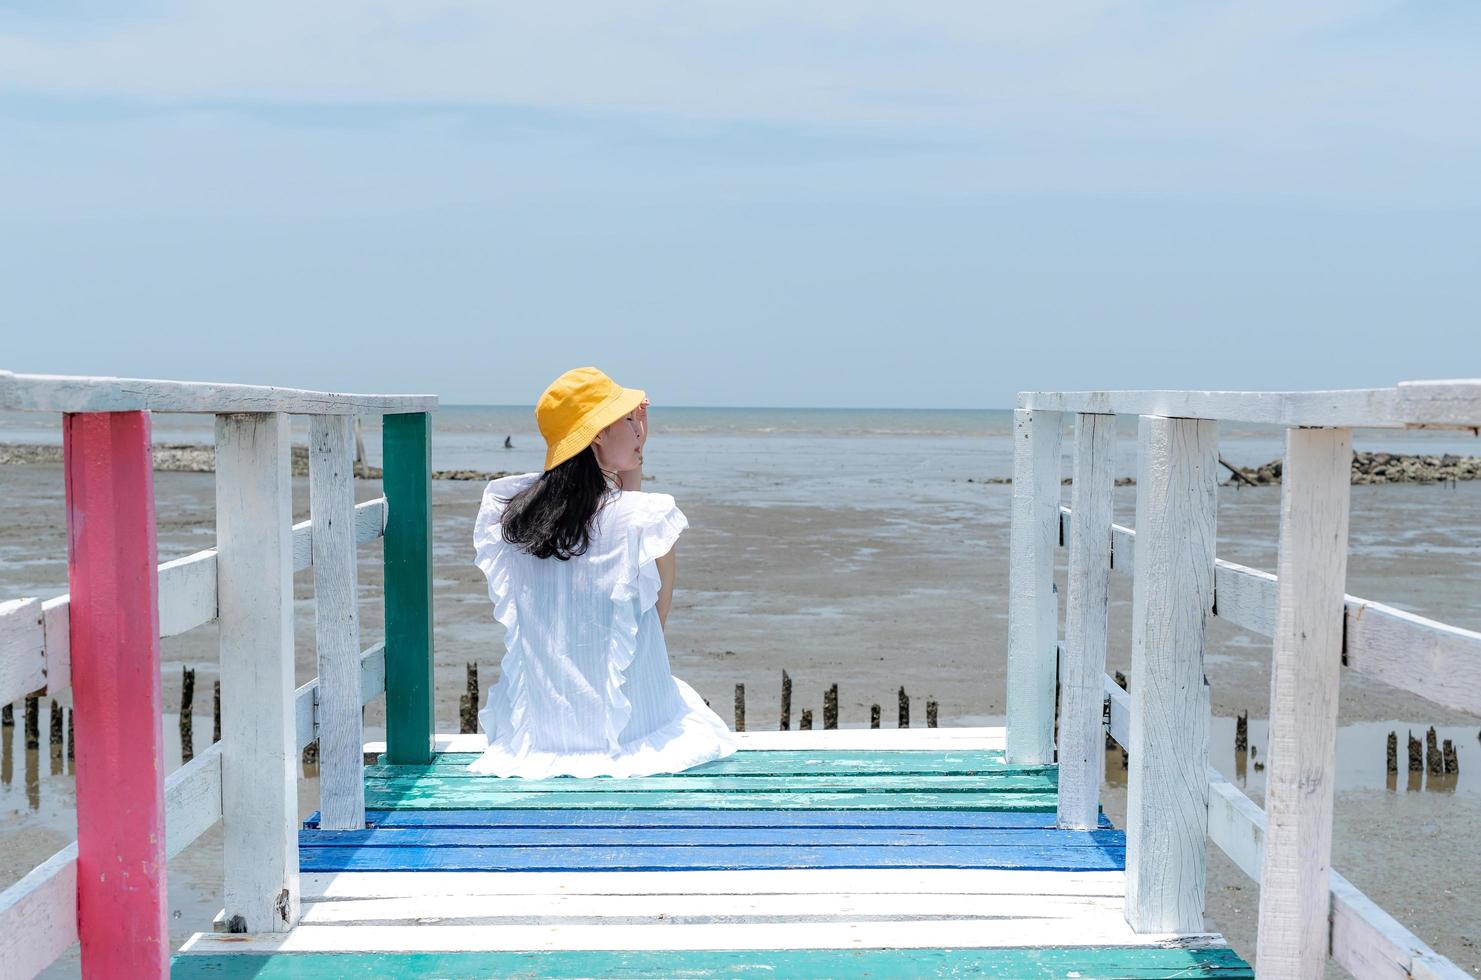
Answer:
(578, 405)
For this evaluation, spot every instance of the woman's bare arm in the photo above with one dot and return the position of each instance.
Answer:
(668, 566)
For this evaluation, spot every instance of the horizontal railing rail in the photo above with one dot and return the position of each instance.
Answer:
(1174, 800)
(100, 643)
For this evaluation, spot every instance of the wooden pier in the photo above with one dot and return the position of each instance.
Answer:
(908, 853)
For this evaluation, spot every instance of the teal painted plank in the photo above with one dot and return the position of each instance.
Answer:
(417, 783)
(476, 794)
(576, 837)
(699, 858)
(505, 819)
(407, 452)
(833, 762)
(1051, 963)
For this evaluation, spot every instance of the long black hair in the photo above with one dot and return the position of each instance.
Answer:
(551, 518)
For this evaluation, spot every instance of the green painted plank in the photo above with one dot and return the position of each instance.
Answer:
(407, 452)
(1021, 963)
(805, 821)
(475, 794)
(436, 782)
(833, 762)
(742, 837)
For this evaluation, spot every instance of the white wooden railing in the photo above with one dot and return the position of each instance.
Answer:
(1175, 800)
(244, 584)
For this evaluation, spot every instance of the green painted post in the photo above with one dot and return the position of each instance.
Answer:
(407, 463)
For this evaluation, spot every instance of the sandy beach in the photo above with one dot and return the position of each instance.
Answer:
(871, 595)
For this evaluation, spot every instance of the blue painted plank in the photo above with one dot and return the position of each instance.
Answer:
(708, 818)
(707, 836)
(648, 858)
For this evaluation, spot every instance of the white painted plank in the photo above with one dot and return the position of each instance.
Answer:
(1441, 404)
(192, 800)
(1301, 767)
(1120, 712)
(1033, 617)
(1082, 752)
(336, 622)
(370, 523)
(338, 886)
(838, 738)
(67, 393)
(1109, 930)
(56, 621)
(1356, 408)
(465, 910)
(306, 715)
(38, 915)
(1236, 824)
(187, 592)
(1172, 595)
(22, 649)
(255, 602)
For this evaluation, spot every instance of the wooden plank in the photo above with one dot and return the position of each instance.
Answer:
(1086, 963)
(114, 637)
(336, 621)
(1082, 751)
(487, 819)
(56, 618)
(1036, 777)
(700, 857)
(370, 523)
(22, 649)
(192, 800)
(255, 602)
(478, 794)
(187, 592)
(305, 698)
(881, 739)
(927, 934)
(700, 786)
(334, 886)
(1120, 726)
(710, 836)
(833, 762)
(1301, 778)
(38, 915)
(1356, 408)
(1236, 824)
(410, 710)
(1167, 787)
(1032, 609)
(69, 393)
(1441, 404)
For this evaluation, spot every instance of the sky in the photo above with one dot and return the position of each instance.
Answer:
(744, 203)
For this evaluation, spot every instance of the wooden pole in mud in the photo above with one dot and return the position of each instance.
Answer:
(1242, 731)
(71, 745)
(56, 727)
(830, 707)
(930, 714)
(7, 716)
(1392, 764)
(805, 725)
(1416, 754)
(33, 723)
(1433, 761)
(904, 709)
(187, 719)
(786, 724)
(740, 707)
(1452, 761)
(468, 703)
(874, 716)
(215, 711)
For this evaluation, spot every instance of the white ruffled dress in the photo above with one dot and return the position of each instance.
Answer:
(585, 687)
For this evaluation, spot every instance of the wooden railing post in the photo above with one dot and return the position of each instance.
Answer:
(1033, 615)
(254, 590)
(1082, 684)
(1311, 579)
(337, 622)
(114, 628)
(1172, 597)
(407, 468)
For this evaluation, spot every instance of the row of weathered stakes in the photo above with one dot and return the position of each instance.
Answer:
(468, 708)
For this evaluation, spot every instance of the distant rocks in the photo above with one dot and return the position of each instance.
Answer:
(189, 458)
(1370, 468)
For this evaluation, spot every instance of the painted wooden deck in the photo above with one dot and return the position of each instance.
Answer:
(882, 854)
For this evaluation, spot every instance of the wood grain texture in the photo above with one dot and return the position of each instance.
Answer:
(56, 619)
(422, 779)
(1301, 777)
(798, 762)
(1033, 617)
(993, 738)
(1363, 407)
(1083, 669)
(187, 592)
(22, 649)
(38, 915)
(68, 393)
(476, 794)
(114, 637)
(794, 819)
(410, 711)
(192, 800)
(709, 836)
(1167, 785)
(1440, 404)
(306, 696)
(254, 574)
(336, 621)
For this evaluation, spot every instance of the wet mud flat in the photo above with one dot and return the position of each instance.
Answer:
(870, 596)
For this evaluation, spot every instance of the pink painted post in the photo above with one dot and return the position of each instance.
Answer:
(111, 564)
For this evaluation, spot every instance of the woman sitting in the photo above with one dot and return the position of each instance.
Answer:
(580, 566)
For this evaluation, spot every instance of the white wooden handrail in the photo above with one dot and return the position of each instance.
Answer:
(65, 393)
